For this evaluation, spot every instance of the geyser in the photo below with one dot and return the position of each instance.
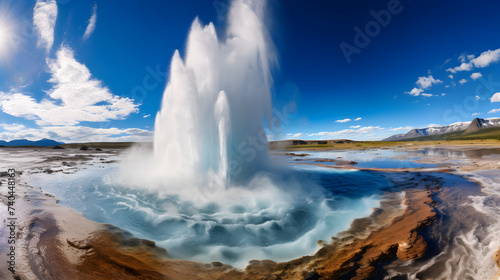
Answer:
(208, 192)
(215, 102)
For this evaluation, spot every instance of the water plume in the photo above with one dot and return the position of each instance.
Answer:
(215, 102)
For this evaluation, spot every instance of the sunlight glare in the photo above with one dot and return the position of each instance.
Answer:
(6, 36)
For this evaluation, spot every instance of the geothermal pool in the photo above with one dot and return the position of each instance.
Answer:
(376, 158)
(267, 222)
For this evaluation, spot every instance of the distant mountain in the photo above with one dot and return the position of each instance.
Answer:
(459, 128)
(479, 124)
(24, 142)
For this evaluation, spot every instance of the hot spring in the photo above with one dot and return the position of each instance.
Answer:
(207, 190)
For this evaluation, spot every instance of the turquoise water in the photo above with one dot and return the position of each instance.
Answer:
(276, 221)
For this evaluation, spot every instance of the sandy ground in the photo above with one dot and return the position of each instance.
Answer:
(54, 242)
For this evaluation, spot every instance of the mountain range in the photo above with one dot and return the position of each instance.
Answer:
(456, 130)
(24, 142)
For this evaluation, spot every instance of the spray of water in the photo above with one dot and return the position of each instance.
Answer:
(215, 102)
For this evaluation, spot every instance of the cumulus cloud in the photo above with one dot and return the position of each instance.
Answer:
(92, 22)
(418, 92)
(426, 82)
(294, 135)
(75, 97)
(415, 92)
(486, 58)
(348, 120)
(146, 116)
(462, 81)
(483, 60)
(450, 76)
(434, 125)
(495, 97)
(287, 136)
(475, 76)
(78, 134)
(44, 21)
(494, 111)
(12, 127)
(348, 133)
(343, 121)
(405, 128)
(463, 67)
(355, 126)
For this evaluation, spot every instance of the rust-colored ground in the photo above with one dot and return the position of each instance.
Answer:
(109, 255)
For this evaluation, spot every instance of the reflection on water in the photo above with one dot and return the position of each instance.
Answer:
(480, 152)
(378, 158)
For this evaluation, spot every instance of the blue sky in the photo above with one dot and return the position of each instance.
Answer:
(79, 71)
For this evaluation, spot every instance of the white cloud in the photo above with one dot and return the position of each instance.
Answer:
(426, 94)
(75, 97)
(486, 58)
(462, 81)
(461, 58)
(426, 82)
(483, 60)
(355, 126)
(297, 135)
(476, 76)
(450, 76)
(349, 133)
(44, 21)
(434, 125)
(475, 114)
(477, 97)
(92, 21)
(12, 127)
(343, 121)
(494, 111)
(146, 116)
(80, 134)
(495, 97)
(415, 92)
(463, 67)
(405, 128)
(357, 119)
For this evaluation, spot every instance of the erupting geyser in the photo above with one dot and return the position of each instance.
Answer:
(208, 191)
(215, 102)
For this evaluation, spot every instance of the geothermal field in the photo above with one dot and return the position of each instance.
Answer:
(214, 190)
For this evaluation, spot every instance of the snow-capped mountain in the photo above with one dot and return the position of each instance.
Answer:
(478, 124)
(467, 127)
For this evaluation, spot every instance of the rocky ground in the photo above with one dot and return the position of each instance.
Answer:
(53, 242)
